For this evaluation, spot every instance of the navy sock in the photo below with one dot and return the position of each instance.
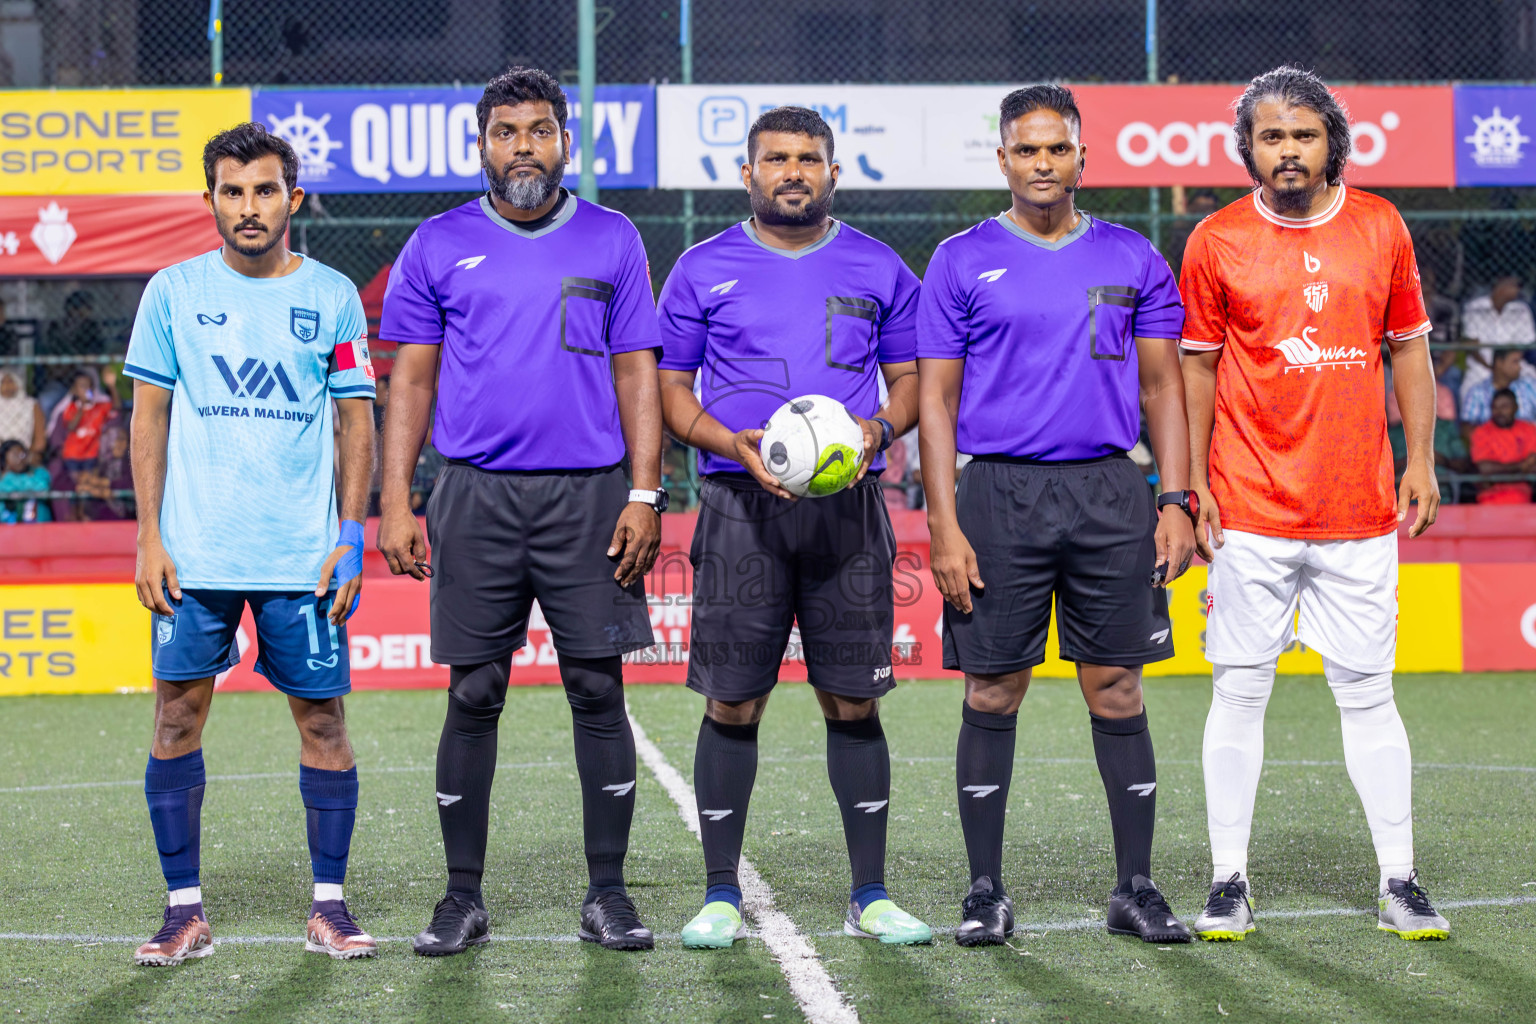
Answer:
(724, 893)
(864, 895)
(173, 787)
(330, 806)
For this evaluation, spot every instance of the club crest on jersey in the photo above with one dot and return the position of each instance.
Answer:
(1316, 293)
(304, 323)
(165, 629)
(1303, 354)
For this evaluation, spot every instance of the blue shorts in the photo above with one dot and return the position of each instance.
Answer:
(298, 649)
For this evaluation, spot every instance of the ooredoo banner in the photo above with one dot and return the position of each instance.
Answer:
(423, 140)
(75, 236)
(108, 141)
(946, 137)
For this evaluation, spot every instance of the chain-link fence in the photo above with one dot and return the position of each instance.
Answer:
(1466, 238)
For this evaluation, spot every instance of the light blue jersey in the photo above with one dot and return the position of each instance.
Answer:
(250, 495)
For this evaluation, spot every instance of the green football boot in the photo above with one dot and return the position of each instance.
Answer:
(717, 926)
(887, 922)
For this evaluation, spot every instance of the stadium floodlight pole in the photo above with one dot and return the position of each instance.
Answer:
(1154, 196)
(216, 39)
(685, 44)
(586, 74)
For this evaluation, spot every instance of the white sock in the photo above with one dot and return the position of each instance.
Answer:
(1379, 762)
(1232, 758)
(188, 897)
(327, 891)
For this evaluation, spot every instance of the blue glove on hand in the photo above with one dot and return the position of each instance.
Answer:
(351, 563)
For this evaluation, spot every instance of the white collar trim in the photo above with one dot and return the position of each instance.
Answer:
(1300, 222)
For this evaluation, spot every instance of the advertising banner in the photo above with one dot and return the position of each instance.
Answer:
(95, 638)
(69, 142)
(946, 136)
(76, 236)
(423, 140)
(1499, 603)
(73, 638)
(1492, 147)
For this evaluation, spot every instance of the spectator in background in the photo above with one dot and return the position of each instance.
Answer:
(76, 333)
(113, 472)
(21, 418)
(1477, 402)
(1505, 445)
(1450, 445)
(1499, 319)
(74, 431)
(19, 476)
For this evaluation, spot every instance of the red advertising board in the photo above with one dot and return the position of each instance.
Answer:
(1498, 615)
(1182, 135)
(78, 236)
(390, 641)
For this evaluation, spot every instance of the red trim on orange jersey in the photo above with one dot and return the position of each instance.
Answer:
(1201, 346)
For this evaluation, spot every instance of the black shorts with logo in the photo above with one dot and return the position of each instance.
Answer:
(1081, 531)
(500, 540)
(761, 564)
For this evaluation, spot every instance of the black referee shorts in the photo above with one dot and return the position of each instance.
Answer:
(500, 540)
(761, 564)
(1081, 531)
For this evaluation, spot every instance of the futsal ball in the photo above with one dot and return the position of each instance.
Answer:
(812, 444)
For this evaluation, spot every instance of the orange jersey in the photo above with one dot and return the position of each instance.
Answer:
(1300, 308)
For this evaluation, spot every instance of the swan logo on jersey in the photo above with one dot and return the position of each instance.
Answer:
(1303, 354)
(304, 323)
(1316, 293)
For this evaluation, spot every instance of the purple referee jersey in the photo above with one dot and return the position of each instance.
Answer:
(1047, 333)
(527, 321)
(765, 325)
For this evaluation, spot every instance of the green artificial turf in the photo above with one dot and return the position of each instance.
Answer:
(80, 863)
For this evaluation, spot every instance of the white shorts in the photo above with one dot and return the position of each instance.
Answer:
(1346, 591)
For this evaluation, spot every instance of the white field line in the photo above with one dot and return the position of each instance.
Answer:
(809, 982)
(1077, 925)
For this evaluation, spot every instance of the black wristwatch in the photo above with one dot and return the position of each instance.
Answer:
(657, 499)
(887, 433)
(1189, 501)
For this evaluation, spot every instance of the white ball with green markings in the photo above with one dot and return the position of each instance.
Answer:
(812, 445)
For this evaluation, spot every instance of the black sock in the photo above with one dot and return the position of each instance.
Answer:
(466, 766)
(859, 765)
(724, 769)
(983, 770)
(605, 760)
(1123, 747)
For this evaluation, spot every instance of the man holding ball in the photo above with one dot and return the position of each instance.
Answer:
(788, 304)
